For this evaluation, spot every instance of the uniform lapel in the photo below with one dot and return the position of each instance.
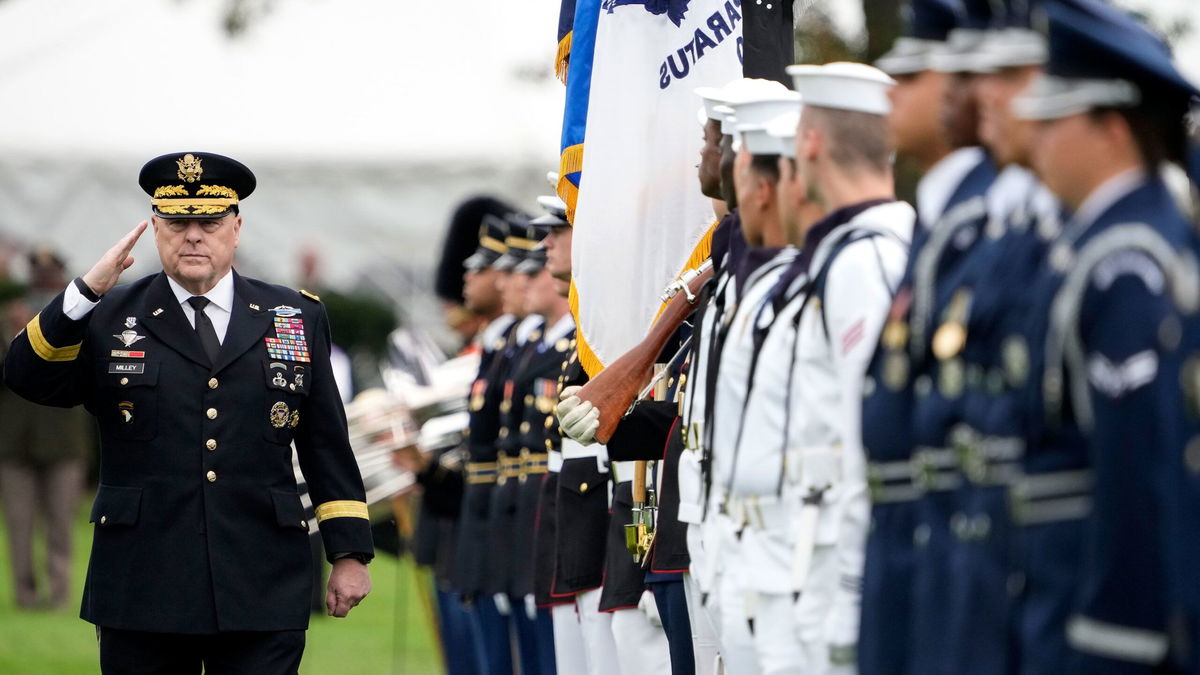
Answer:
(248, 322)
(163, 316)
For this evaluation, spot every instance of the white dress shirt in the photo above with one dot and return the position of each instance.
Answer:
(219, 308)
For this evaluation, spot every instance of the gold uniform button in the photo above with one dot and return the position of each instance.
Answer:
(212, 383)
(212, 413)
(583, 487)
(528, 399)
(304, 524)
(103, 519)
(211, 476)
(124, 380)
(211, 444)
(524, 427)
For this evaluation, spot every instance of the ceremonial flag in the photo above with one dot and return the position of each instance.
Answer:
(582, 42)
(640, 219)
(566, 27)
(770, 40)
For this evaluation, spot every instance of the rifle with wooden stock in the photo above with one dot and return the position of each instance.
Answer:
(615, 389)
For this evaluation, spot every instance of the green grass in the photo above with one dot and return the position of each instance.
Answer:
(388, 634)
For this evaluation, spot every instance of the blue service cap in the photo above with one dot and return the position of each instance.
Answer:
(1101, 57)
(927, 25)
(492, 233)
(963, 42)
(1016, 39)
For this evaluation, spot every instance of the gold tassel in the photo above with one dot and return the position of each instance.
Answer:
(563, 58)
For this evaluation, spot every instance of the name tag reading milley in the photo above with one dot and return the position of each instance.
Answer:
(126, 368)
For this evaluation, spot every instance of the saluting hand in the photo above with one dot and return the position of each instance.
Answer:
(349, 583)
(105, 273)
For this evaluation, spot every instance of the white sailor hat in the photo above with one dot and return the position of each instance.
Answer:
(782, 128)
(843, 86)
(718, 100)
(752, 114)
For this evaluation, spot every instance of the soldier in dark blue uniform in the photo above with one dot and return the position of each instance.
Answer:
(490, 626)
(201, 380)
(1103, 331)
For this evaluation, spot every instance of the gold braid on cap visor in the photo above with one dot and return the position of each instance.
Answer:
(173, 200)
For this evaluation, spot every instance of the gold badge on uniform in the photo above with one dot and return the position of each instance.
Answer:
(477, 390)
(895, 370)
(189, 168)
(950, 337)
(125, 408)
(279, 415)
(295, 419)
(950, 378)
(1016, 360)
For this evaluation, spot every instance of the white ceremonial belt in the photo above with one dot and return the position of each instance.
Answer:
(1114, 641)
(1042, 498)
(935, 469)
(623, 470)
(988, 460)
(555, 462)
(572, 449)
(760, 512)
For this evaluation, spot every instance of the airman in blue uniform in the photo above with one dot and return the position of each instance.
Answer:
(1103, 330)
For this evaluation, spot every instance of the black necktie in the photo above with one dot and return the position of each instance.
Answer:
(204, 328)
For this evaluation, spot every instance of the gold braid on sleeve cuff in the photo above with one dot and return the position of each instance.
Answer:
(43, 348)
(342, 509)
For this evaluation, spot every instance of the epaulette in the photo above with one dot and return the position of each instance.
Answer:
(311, 296)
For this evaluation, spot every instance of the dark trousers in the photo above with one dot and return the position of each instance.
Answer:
(128, 652)
(455, 629)
(672, 609)
(535, 641)
(490, 636)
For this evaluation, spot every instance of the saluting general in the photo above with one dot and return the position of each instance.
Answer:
(201, 381)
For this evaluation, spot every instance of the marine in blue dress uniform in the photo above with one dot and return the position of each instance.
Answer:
(201, 380)
(1103, 396)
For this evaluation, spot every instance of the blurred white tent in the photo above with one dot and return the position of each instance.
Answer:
(364, 121)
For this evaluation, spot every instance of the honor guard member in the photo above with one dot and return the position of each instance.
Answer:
(569, 652)
(918, 132)
(502, 509)
(957, 209)
(1023, 217)
(483, 294)
(822, 319)
(502, 531)
(197, 493)
(581, 508)
(536, 385)
(1101, 426)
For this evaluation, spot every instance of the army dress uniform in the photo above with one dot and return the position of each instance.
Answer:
(199, 524)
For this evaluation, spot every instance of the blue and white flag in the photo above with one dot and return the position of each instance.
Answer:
(640, 219)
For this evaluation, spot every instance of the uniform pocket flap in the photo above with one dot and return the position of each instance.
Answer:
(581, 476)
(116, 505)
(289, 510)
(287, 376)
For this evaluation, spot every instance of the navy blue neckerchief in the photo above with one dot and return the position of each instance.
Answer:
(812, 240)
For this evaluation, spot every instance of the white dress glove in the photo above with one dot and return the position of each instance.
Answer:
(502, 604)
(579, 419)
(650, 608)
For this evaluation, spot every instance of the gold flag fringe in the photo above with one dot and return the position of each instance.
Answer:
(563, 58)
(571, 162)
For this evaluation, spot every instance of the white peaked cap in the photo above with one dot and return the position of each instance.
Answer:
(843, 86)
(783, 129)
(552, 204)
